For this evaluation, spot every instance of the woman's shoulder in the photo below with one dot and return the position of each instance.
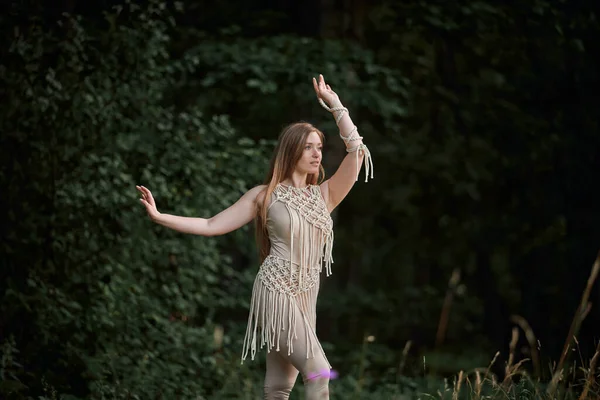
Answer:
(257, 193)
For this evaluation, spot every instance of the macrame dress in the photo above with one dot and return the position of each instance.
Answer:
(300, 230)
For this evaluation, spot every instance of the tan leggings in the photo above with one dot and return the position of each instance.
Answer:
(282, 370)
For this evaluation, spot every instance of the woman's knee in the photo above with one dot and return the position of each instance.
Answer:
(317, 385)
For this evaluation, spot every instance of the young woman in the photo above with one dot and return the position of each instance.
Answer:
(295, 237)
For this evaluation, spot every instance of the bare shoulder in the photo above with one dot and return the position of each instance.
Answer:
(257, 194)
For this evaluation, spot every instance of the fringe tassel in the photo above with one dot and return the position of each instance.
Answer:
(267, 310)
(328, 253)
(287, 206)
(368, 160)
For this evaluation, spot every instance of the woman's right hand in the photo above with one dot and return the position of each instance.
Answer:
(148, 201)
(324, 92)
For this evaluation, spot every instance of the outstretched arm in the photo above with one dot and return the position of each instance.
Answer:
(338, 186)
(228, 220)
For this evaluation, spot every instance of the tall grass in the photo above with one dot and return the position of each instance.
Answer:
(518, 383)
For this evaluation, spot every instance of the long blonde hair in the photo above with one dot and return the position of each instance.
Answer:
(288, 152)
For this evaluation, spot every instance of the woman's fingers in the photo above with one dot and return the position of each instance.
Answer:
(143, 192)
(146, 195)
(149, 198)
(146, 205)
(148, 201)
(320, 86)
(150, 208)
(325, 85)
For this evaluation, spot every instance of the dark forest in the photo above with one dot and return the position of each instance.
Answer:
(466, 269)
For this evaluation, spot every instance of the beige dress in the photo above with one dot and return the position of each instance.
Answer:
(285, 289)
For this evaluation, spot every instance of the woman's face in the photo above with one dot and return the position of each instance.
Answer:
(311, 156)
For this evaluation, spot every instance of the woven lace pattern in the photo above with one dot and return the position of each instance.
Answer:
(275, 274)
(308, 203)
(286, 290)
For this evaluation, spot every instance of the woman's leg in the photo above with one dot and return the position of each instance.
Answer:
(316, 385)
(279, 378)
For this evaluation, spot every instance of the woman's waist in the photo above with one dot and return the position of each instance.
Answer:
(312, 256)
(282, 275)
(285, 259)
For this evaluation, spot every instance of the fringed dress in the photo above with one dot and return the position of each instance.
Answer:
(285, 290)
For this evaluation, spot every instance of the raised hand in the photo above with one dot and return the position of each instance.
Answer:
(148, 201)
(325, 93)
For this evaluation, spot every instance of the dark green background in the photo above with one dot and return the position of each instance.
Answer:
(482, 119)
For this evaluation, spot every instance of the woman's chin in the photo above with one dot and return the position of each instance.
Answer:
(311, 169)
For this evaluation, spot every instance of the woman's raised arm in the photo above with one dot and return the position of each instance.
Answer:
(228, 220)
(338, 186)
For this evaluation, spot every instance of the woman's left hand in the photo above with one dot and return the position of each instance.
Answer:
(325, 93)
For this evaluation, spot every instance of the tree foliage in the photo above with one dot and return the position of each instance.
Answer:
(94, 292)
(482, 122)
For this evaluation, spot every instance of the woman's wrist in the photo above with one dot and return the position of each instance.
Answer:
(335, 107)
(336, 103)
(337, 110)
(157, 218)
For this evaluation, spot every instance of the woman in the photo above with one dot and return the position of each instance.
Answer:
(294, 235)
